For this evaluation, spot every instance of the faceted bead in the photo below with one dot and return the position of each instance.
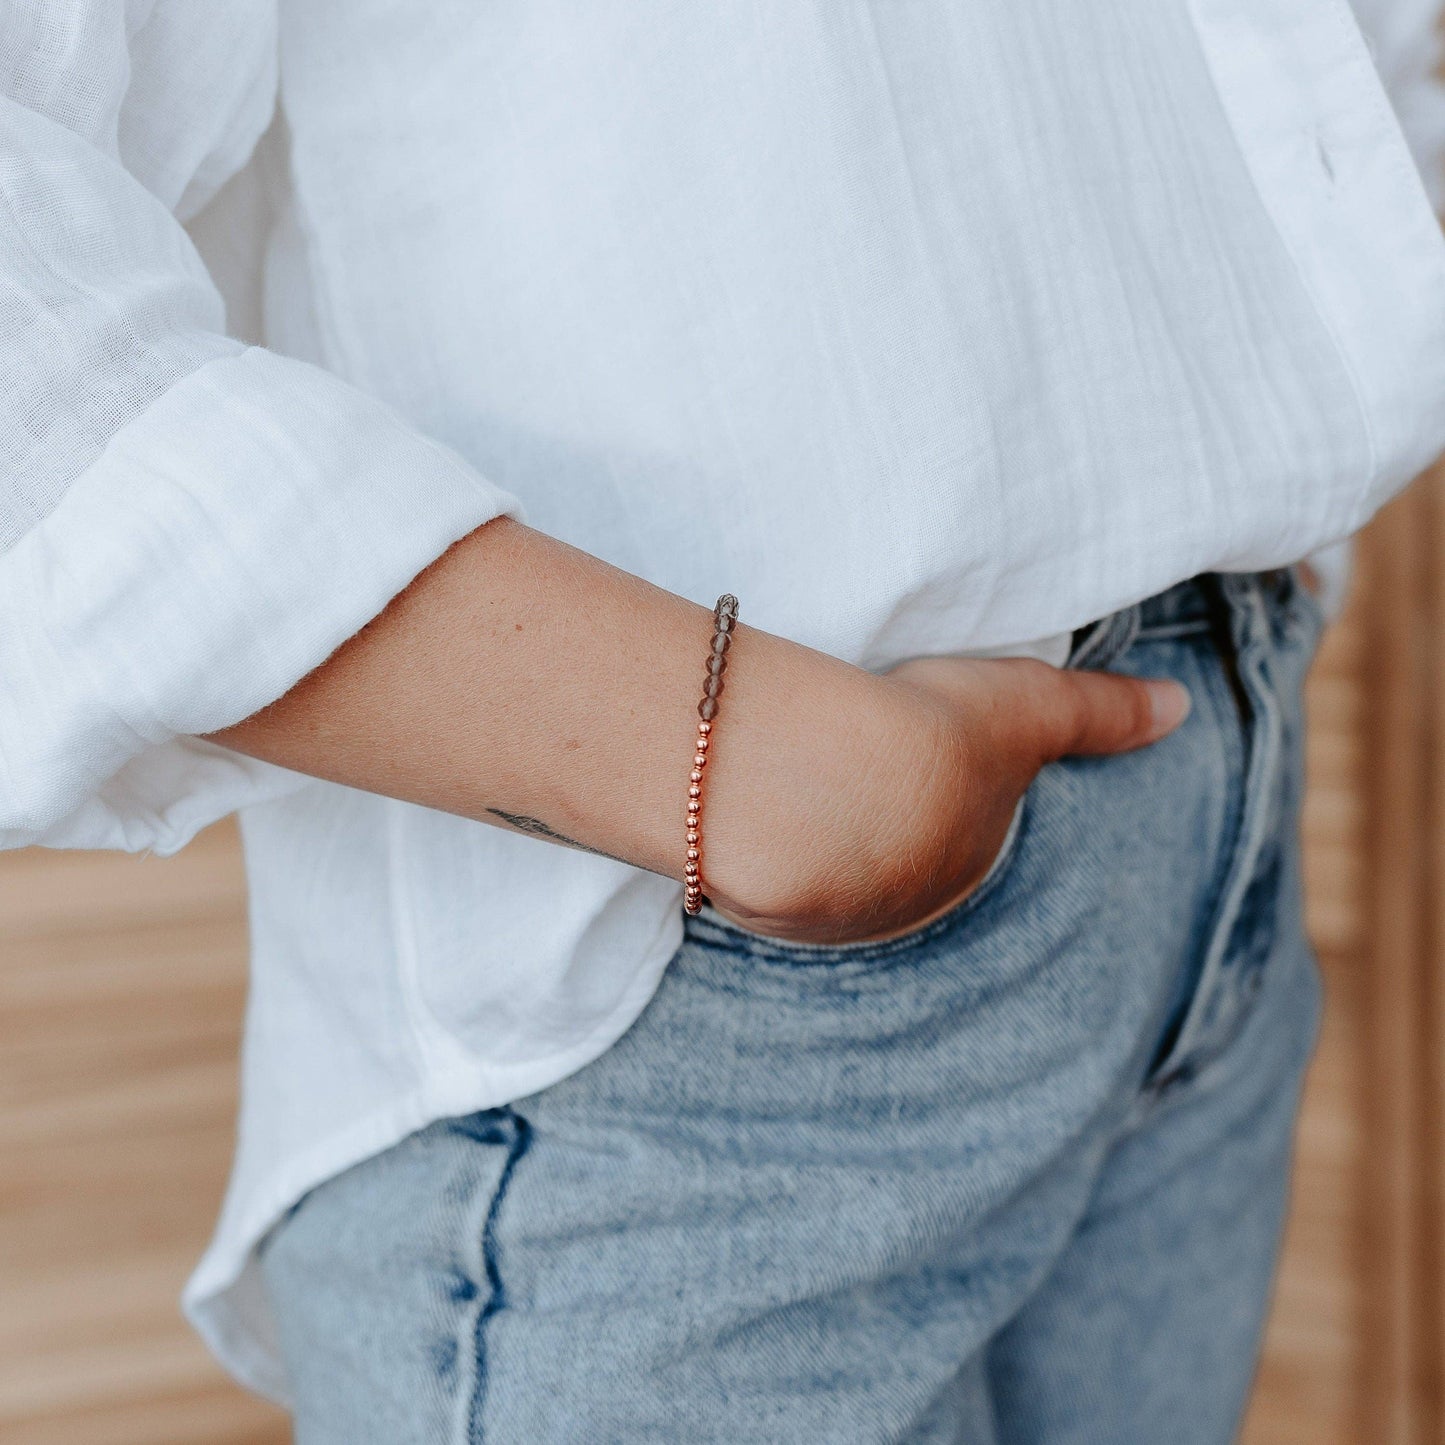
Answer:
(721, 642)
(707, 708)
(712, 687)
(717, 663)
(724, 621)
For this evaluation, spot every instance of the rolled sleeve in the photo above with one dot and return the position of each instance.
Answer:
(223, 544)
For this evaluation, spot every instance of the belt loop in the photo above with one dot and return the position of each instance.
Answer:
(1110, 636)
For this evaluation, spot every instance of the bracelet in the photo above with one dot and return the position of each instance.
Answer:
(724, 619)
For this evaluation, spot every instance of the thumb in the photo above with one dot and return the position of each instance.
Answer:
(1106, 712)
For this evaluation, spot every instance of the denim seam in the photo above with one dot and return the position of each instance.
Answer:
(496, 1300)
(1226, 711)
(1194, 1048)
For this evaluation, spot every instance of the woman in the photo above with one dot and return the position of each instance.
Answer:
(874, 1010)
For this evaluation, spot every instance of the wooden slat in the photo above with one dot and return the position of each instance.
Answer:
(1310, 1378)
(121, 994)
(1431, 1152)
(1399, 1401)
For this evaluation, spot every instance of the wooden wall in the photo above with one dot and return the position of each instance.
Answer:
(121, 990)
(1356, 1349)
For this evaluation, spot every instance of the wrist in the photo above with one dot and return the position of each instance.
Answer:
(819, 777)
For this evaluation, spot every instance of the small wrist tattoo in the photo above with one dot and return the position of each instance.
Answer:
(538, 829)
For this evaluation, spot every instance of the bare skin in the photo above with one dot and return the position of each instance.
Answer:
(526, 684)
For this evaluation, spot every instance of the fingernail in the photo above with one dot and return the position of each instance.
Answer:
(1169, 703)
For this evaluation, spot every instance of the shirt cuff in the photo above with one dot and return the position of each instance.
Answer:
(224, 544)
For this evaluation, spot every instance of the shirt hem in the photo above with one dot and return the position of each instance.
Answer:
(208, 1300)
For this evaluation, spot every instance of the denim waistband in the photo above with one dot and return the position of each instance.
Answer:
(1197, 604)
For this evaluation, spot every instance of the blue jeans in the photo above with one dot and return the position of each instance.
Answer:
(1018, 1176)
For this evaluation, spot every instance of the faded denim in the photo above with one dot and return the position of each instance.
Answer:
(1016, 1177)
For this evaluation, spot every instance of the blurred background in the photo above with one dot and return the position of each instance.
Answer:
(122, 986)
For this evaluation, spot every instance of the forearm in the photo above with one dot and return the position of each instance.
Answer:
(524, 683)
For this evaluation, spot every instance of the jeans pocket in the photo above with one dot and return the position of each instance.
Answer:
(710, 928)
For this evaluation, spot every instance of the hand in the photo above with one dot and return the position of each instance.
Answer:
(913, 790)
